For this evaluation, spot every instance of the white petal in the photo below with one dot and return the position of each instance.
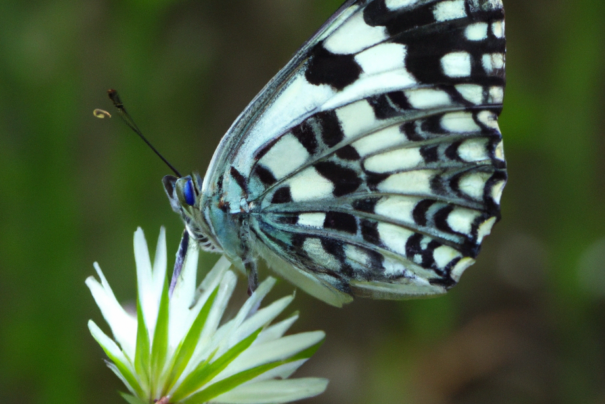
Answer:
(142, 260)
(123, 325)
(282, 372)
(148, 299)
(184, 289)
(216, 274)
(160, 263)
(251, 304)
(108, 344)
(261, 318)
(274, 391)
(102, 277)
(277, 350)
(207, 342)
(181, 311)
(211, 282)
(117, 372)
(220, 304)
(276, 330)
(182, 298)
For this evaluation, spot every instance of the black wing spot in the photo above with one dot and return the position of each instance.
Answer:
(366, 205)
(333, 247)
(405, 20)
(331, 132)
(429, 153)
(341, 221)
(441, 219)
(374, 179)
(447, 282)
(344, 179)
(328, 68)
(469, 248)
(369, 231)
(348, 153)
(412, 246)
(288, 219)
(282, 195)
(298, 240)
(306, 137)
(375, 12)
(452, 151)
(420, 211)
(399, 99)
(383, 109)
(376, 261)
(347, 270)
(389, 105)
(240, 179)
(432, 124)
(409, 129)
(265, 175)
(437, 185)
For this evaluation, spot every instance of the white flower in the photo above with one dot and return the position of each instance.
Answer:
(177, 351)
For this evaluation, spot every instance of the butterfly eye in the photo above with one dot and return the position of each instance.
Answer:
(189, 193)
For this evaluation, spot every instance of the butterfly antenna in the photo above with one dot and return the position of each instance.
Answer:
(115, 98)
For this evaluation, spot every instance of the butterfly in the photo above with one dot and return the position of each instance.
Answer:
(372, 164)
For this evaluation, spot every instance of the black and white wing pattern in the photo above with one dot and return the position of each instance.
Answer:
(372, 164)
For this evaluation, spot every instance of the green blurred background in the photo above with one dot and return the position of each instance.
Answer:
(526, 323)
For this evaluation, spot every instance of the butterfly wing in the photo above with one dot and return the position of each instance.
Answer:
(373, 161)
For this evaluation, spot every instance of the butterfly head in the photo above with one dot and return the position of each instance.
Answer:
(184, 192)
(185, 196)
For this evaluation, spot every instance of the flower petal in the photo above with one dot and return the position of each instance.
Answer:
(123, 325)
(261, 318)
(187, 308)
(120, 376)
(187, 348)
(209, 338)
(249, 306)
(230, 383)
(142, 260)
(278, 350)
(216, 273)
(274, 391)
(200, 376)
(146, 294)
(160, 263)
(182, 297)
(218, 308)
(121, 364)
(159, 346)
(282, 372)
(142, 363)
(276, 330)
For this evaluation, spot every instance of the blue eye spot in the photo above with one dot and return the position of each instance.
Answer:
(189, 194)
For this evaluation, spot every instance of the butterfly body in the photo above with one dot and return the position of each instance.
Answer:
(372, 164)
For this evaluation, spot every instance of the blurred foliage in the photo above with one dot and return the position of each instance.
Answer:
(526, 323)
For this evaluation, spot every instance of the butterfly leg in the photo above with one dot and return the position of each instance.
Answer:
(247, 258)
(252, 274)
